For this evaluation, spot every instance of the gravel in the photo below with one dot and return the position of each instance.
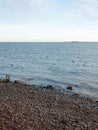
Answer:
(27, 107)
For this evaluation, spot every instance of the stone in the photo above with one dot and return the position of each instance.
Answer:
(49, 87)
(19, 81)
(70, 88)
(63, 122)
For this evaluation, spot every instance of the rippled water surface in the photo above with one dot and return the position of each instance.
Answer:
(59, 64)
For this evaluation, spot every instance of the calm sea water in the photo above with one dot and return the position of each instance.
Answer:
(59, 64)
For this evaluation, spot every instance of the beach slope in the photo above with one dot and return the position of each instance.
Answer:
(25, 107)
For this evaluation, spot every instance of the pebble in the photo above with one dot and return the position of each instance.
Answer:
(24, 107)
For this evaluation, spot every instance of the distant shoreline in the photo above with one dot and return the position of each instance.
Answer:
(49, 42)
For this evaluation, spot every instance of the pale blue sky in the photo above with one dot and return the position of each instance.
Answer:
(48, 20)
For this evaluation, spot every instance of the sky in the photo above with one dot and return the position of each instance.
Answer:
(48, 20)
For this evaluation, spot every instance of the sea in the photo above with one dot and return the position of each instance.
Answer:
(60, 64)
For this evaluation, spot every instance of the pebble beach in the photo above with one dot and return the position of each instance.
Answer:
(28, 107)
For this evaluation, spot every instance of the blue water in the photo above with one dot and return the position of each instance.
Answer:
(59, 64)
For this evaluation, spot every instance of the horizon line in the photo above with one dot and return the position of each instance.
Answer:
(45, 41)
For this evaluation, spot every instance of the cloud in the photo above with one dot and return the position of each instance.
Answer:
(11, 27)
(77, 10)
(23, 3)
(25, 11)
(87, 9)
(39, 3)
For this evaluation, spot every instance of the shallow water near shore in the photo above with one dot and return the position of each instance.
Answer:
(59, 64)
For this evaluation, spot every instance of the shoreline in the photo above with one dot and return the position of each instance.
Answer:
(28, 107)
(71, 91)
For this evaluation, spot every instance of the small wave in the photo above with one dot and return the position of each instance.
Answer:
(18, 66)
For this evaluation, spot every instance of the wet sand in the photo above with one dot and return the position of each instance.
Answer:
(25, 107)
